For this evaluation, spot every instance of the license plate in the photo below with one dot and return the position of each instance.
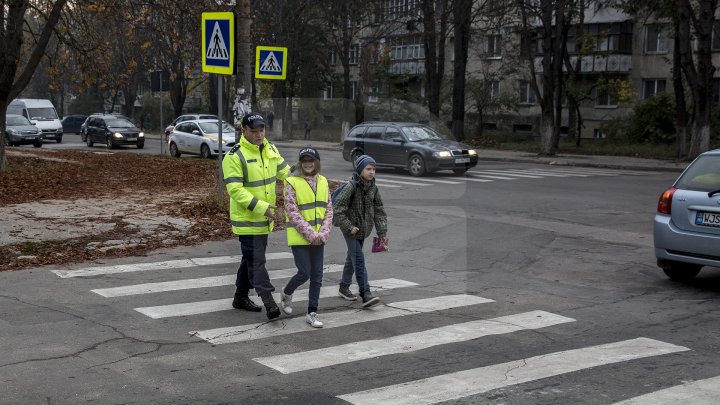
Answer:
(462, 160)
(707, 219)
(132, 139)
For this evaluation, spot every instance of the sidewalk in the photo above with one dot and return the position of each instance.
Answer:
(610, 162)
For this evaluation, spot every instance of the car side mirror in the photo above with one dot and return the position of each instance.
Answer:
(398, 140)
(196, 132)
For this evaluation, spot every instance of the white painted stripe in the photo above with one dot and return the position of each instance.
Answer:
(593, 172)
(389, 185)
(166, 265)
(409, 183)
(510, 173)
(476, 381)
(477, 174)
(468, 178)
(545, 173)
(369, 349)
(285, 326)
(204, 307)
(186, 284)
(424, 179)
(702, 392)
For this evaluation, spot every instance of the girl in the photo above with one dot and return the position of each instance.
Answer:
(309, 220)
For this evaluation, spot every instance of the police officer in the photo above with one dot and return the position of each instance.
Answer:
(250, 170)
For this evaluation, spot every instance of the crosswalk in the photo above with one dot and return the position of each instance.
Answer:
(387, 180)
(456, 385)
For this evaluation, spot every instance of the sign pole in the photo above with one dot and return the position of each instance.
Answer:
(162, 130)
(220, 138)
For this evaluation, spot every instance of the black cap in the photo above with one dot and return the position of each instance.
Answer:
(253, 120)
(312, 152)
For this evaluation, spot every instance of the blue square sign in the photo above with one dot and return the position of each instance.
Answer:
(270, 62)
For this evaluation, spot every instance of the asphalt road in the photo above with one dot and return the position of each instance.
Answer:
(517, 284)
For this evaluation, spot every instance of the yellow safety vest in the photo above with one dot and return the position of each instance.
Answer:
(311, 204)
(250, 177)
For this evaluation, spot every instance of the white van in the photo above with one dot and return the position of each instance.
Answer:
(41, 113)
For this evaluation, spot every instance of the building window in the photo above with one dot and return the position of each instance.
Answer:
(354, 54)
(332, 57)
(374, 93)
(656, 38)
(527, 95)
(598, 133)
(652, 87)
(605, 99)
(328, 92)
(716, 36)
(492, 46)
(493, 89)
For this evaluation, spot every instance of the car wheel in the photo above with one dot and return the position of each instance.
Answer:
(140, 145)
(109, 142)
(205, 152)
(174, 150)
(37, 144)
(681, 271)
(416, 164)
(89, 141)
(459, 171)
(59, 140)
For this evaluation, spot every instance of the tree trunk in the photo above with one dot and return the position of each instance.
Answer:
(681, 116)
(547, 129)
(462, 17)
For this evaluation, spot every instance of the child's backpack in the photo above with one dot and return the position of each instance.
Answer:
(336, 193)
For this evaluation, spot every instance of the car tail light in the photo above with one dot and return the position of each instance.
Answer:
(665, 202)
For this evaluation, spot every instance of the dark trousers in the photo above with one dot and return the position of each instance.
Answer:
(252, 271)
(309, 262)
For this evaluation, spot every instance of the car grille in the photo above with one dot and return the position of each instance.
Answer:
(460, 152)
(49, 131)
(28, 132)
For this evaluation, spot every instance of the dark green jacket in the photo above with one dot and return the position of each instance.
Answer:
(360, 206)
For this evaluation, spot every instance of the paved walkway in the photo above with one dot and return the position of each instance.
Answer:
(615, 162)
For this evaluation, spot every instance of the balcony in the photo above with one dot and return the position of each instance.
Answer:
(596, 63)
(408, 68)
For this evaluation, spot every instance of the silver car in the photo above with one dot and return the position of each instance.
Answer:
(200, 137)
(687, 223)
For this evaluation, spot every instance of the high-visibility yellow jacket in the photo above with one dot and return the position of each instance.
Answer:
(250, 174)
(311, 204)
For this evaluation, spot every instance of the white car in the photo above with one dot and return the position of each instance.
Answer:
(200, 137)
(188, 117)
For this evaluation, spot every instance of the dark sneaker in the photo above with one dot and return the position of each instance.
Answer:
(243, 302)
(273, 312)
(344, 292)
(368, 299)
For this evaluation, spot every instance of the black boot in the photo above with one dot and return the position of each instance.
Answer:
(270, 306)
(241, 301)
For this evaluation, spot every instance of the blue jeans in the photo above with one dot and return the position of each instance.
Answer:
(252, 271)
(355, 263)
(309, 262)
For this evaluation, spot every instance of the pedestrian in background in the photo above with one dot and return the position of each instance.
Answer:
(250, 171)
(307, 130)
(270, 119)
(358, 207)
(309, 213)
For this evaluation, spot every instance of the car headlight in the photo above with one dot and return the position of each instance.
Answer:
(12, 131)
(445, 153)
(117, 135)
(472, 152)
(141, 135)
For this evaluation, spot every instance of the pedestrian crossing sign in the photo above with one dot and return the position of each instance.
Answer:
(270, 62)
(218, 43)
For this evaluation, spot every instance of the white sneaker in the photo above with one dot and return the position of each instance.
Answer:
(286, 303)
(313, 320)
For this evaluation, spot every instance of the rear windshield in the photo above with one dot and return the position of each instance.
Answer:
(702, 175)
(119, 123)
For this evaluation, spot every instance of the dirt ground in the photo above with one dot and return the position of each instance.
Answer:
(63, 206)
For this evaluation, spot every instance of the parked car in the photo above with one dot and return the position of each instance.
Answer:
(188, 117)
(113, 131)
(40, 112)
(72, 123)
(686, 229)
(200, 137)
(412, 146)
(19, 131)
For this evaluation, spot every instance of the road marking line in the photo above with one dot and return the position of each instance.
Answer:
(285, 326)
(509, 173)
(225, 304)
(409, 183)
(166, 265)
(468, 178)
(204, 282)
(424, 179)
(389, 185)
(551, 173)
(461, 384)
(702, 392)
(411, 342)
(477, 174)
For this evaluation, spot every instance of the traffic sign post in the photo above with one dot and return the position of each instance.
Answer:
(218, 56)
(270, 62)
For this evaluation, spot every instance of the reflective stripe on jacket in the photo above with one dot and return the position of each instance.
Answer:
(250, 174)
(311, 204)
